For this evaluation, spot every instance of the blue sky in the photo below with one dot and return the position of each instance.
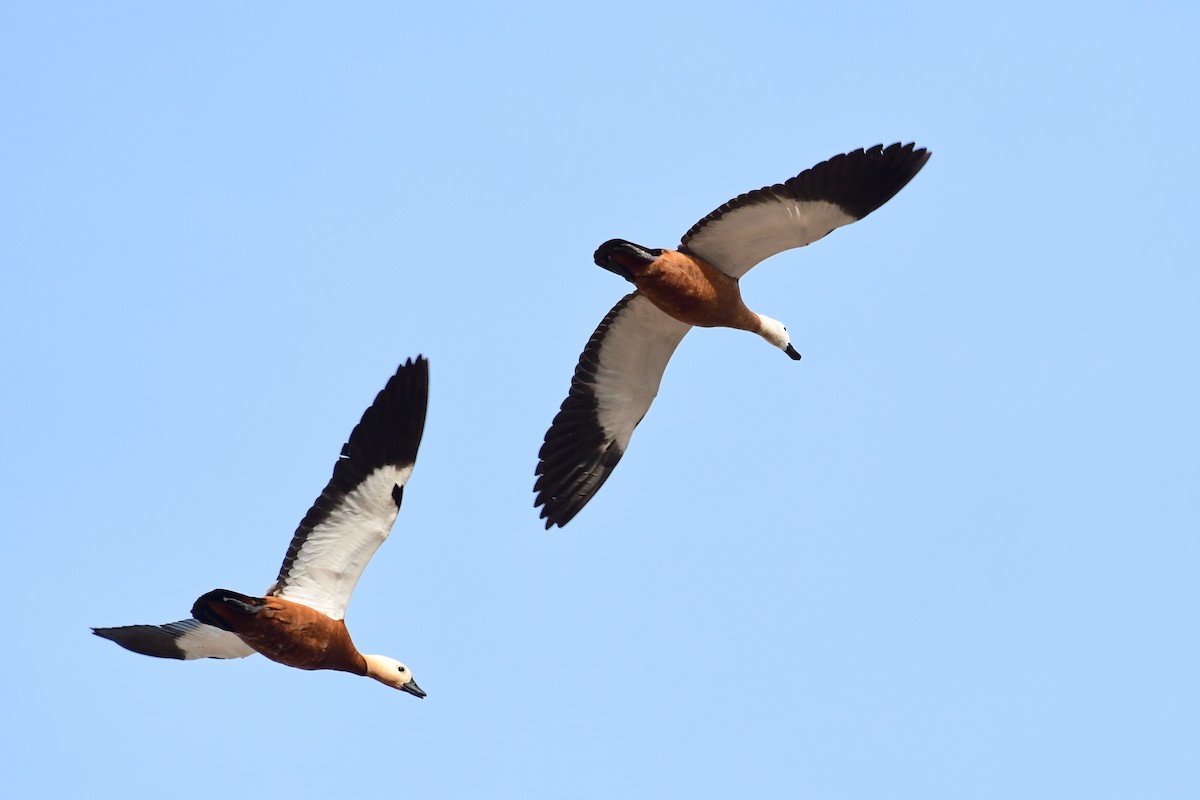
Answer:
(951, 553)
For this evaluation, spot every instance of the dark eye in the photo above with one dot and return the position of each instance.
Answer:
(402, 669)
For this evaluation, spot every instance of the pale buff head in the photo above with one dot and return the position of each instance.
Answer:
(776, 333)
(393, 673)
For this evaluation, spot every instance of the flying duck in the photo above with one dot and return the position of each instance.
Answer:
(299, 622)
(696, 285)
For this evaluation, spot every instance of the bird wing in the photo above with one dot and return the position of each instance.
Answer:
(614, 384)
(803, 209)
(185, 640)
(355, 512)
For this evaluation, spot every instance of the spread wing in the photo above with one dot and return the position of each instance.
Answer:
(614, 384)
(185, 640)
(797, 212)
(355, 512)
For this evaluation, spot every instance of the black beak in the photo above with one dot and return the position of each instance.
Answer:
(412, 688)
(791, 351)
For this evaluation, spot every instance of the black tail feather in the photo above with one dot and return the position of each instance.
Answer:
(205, 607)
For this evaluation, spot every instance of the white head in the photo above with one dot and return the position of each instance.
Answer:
(393, 673)
(776, 333)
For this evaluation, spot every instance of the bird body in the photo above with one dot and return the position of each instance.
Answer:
(288, 633)
(299, 622)
(685, 287)
(695, 285)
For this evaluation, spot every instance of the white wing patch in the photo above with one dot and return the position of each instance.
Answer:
(742, 237)
(632, 359)
(198, 640)
(329, 563)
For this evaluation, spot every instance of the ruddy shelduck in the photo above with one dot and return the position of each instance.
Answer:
(619, 372)
(300, 620)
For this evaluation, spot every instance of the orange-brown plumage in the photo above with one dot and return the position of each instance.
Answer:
(693, 291)
(288, 633)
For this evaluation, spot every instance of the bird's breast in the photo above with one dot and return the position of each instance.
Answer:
(298, 636)
(692, 291)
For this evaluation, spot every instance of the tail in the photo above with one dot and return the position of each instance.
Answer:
(223, 608)
(624, 258)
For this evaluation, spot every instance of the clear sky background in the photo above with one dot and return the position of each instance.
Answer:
(951, 553)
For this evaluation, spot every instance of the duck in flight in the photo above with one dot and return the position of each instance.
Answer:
(299, 622)
(695, 285)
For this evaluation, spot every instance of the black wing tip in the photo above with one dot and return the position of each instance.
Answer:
(545, 499)
(146, 640)
(557, 502)
(911, 147)
(391, 428)
(554, 509)
(564, 489)
(862, 180)
(554, 513)
(858, 181)
(909, 156)
(550, 519)
(570, 473)
(419, 363)
(389, 433)
(892, 150)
